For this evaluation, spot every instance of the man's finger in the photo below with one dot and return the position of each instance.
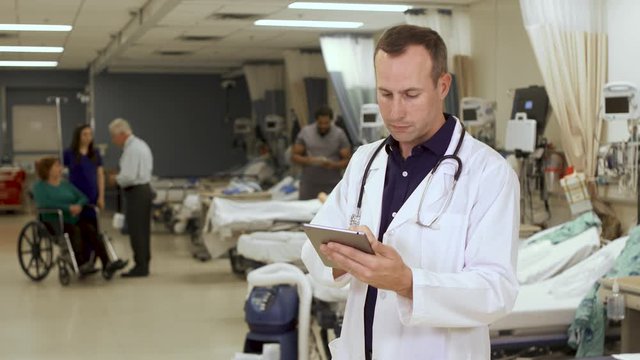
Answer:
(354, 254)
(353, 267)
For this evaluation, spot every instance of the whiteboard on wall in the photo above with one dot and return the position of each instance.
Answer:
(35, 128)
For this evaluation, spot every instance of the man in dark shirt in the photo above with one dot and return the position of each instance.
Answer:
(323, 150)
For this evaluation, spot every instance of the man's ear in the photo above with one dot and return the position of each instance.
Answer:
(444, 84)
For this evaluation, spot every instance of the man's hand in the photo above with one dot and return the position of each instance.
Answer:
(328, 164)
(316, 160)
(112, 179)
(384, 270)
(75, 210)
(100, 203)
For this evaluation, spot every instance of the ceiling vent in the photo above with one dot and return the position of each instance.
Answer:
(174, 53)
(203, 38)
(234, 16)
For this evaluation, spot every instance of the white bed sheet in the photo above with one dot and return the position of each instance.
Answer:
(552, 303)
(543, 260)
(226, 216)
(271, 247)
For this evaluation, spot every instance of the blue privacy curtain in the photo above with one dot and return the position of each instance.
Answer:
(349, 62)
(266, 89)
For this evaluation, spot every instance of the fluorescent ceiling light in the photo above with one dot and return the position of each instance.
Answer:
(348, 6)
(310, 24)
(29, 63)
(33, 27)
(31, 49)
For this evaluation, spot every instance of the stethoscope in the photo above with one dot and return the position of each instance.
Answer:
(433, 224)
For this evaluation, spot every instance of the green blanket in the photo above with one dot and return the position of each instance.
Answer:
(574, 227)
(586, 333)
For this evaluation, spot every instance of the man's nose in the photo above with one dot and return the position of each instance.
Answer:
(398, 110)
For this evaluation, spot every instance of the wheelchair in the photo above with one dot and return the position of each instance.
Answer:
(36, 244)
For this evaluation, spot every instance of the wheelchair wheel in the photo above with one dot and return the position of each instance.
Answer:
(35, 250)
(64, 275)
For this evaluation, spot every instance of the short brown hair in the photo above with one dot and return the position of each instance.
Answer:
(395, 41)
(44, 165)
(324, 111)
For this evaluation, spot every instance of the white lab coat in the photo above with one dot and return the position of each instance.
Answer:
(463, 274)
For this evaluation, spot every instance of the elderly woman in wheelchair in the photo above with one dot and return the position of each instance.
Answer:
(59, 207)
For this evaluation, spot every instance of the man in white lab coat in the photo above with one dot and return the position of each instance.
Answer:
(445, 252)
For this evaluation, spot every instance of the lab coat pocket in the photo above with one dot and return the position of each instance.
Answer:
(443, 244)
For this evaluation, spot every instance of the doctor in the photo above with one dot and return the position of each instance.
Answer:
(445, 252)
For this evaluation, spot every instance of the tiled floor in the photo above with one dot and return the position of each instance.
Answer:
(185, 310)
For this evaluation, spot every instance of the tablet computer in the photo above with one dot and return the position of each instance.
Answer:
(319, 235)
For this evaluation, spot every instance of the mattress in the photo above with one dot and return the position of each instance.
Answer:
(553, 302)
(271, 247)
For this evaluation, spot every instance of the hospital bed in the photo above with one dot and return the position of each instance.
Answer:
(544, 310)
(227, 220)
(541, 260)
(190, 216)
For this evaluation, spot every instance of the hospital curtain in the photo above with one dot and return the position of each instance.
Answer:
(349, 62)
(455, 29)
(570, 46)
(462, 68)
(306, 83)
(266, 89)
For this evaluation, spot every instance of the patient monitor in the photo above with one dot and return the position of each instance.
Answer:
(242, 126)
(477, 111)
(274, 124)
(371, 124)
(479, 118)
(619, 105)
(620, 101)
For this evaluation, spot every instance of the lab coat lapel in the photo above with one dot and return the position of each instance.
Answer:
(436, 193)
(372, 199)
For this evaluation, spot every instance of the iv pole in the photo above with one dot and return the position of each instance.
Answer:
(58, 100)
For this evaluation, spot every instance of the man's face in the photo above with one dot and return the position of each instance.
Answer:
(118, 139)
(323, 123)
(410, 104)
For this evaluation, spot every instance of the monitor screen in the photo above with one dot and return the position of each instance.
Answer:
(616, 105)
(469, 115)
(271, 124)
(369, 118)
(533, 101)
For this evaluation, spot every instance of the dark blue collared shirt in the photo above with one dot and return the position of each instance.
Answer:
(402, 177)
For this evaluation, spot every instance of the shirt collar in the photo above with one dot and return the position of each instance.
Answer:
(129, 140)
(438, 143)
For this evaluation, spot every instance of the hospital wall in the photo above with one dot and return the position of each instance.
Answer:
(503, 60)
(180, 110)
(33, 88)
(182, 117)
(624, 52)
